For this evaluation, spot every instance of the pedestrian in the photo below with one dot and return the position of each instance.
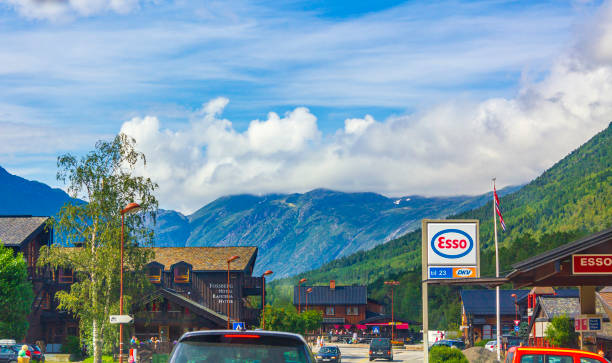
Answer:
(22, 356)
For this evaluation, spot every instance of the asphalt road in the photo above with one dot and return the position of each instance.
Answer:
(359, 354)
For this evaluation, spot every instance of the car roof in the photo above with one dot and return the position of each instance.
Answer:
(553, 350)
(266, 333)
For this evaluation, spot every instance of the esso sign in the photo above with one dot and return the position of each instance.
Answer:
(452, 244)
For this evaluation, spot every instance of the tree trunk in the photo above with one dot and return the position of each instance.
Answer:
(97, 352)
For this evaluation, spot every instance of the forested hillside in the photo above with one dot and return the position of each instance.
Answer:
(571, 199)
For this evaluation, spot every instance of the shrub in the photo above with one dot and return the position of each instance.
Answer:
(481, 343)
(72, 346)
(441, 354)
(560, 332)
(105, 359)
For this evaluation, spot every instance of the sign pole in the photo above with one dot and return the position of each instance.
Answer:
(424, 272)
(497, 317)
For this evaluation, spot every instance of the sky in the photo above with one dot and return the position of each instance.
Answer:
(227, 97)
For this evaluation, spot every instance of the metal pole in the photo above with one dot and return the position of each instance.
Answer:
(425, 324)
(121, 296)
(299, 297)
(263, 307)
(392, 316)
(496, 275)
(226, 296)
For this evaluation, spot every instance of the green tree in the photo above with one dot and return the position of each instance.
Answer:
(16, 294)
(524, 331)
(287, 319)
(104, 178)
(560, 332)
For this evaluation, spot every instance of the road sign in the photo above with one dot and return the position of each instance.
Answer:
(516, 328)
(517, 322)
(376, 330)
(599, 264)
(238, 326)
(594, 324)
(585, 324)
(120, 319)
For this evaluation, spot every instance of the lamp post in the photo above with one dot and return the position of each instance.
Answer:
(129, 209)
(392, 283)
(227, 288)
(515, 310)
(308, 291)
(300, 294)
(263, 294)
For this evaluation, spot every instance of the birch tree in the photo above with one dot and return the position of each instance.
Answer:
(105, 179)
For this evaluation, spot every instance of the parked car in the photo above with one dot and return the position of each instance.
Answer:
(551, 355)
(452, 343)
(213, 346)
(491, 345)
(329, 353)
(8, 354)
(381, 348)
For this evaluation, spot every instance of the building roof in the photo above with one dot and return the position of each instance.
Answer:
(341, 295)
(205, 258)
(14, 230)
(553, 306)
(482, 302)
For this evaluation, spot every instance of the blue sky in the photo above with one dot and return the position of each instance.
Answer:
(76, 71)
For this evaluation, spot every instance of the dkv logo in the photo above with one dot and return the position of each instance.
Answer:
(464, 272)
(452, 243)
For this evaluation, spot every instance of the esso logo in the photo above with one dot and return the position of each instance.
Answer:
(464, 272)
(452, 243)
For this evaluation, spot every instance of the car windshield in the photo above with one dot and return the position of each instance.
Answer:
(380, 342)
(332, 350)
(240, 350)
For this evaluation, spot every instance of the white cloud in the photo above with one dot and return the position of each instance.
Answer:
(60, 10)
(452, 148)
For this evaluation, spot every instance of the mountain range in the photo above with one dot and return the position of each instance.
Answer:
(294, 232)
(570, 200)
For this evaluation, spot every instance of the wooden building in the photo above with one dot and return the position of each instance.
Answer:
(192, 292)
(340, 305)
(190, 287)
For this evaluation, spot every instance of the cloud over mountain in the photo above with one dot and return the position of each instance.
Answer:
(453, 147)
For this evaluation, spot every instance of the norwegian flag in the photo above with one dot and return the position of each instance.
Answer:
(498, 210)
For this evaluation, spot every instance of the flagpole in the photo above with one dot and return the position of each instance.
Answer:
(496, 275)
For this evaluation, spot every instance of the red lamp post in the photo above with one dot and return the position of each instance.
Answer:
(300, 294)
(308, 291)
(515, 309)
(263, 305)
(129, 209)
(227, 288)
(392, 283)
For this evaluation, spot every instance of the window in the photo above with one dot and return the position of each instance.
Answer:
(154, 274)
(509, 357)
(532, 358)
(560, 359)
(65, 276)
(181, 274)
(588, 360)
(352, 310)
(45, 303)
(330, 310)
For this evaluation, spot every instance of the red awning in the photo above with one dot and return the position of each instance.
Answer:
(402, 326)
(360, 326)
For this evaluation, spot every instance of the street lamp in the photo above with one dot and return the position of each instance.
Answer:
(129, 209)
(300, 294)
(263, 294)
(515, 310)
(392, 283)
(227, 288)
(308, 291)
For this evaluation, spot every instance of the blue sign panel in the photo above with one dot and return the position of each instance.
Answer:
(238, 326)
(375, 330)
(516, 329)
(594, 323)
(440, 272)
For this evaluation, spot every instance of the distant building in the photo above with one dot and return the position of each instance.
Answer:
(340, 305)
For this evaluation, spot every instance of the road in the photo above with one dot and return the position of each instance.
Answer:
(358, 353)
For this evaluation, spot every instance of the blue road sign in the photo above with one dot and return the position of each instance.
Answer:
(516, 329)
(376, 330)
(440, 272)
(238, 326)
